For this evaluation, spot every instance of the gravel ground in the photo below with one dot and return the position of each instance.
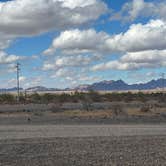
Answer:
(89, 151)
(66, 131)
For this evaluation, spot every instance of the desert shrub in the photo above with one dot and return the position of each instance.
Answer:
(77, 96)
(141, 97)
(35, 98)
(94, 96)
(118, 110)
(64, 97)
(145, 109)
(7, 98)
(47, 98)
(112, 97)
(22, 98)
(87, 103)
(162, 99)
(128, 97)
(56, 107)
(87, 106)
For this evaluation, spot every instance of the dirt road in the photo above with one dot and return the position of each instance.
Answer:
(49, 131)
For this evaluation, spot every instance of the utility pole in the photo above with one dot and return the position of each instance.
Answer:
(18, 81)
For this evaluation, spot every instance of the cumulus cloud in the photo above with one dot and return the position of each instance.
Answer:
(32, 81)
(25, 82)
(152, 56)
(69, 61)
(63, 73)
(139, 77)
(4, 41)
(135, 60)
(77, 41)
(139, 37)
(26, 18)
(22, 18)
(74, 77)
(7, 59)
(140, 8)
(13, 82)
(141, 46)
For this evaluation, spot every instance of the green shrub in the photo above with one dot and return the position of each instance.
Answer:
(7, 98)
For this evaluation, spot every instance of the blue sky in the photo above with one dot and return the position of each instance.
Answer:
(65, 43)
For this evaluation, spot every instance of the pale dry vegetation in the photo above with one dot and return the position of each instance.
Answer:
(86, 105)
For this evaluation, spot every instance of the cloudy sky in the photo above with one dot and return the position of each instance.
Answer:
(64, 43)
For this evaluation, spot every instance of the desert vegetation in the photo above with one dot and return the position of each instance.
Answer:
(86, 104)
(82, 97)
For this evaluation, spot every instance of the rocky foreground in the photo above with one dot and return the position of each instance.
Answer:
(89, 151)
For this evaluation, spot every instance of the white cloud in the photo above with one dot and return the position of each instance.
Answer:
(77, 41)
(25, 82)
(142, 77)
(4, 41)
(152, 56)
(48, 66)
(140, 8)
(137, 7)
(141, 46)
(74, 77)
(13, 82)
(70, 61)
(75, 61)
(139, 37)
(61, 73)
(79, 3)
(25, 17)
(32, 81)
(7, 59)
(22, 18)
(135, 60)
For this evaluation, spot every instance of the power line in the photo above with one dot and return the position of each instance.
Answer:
(18, 81)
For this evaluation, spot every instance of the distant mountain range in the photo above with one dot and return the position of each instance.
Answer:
(121, 85)
(9, 89)
(101, 86)
(41, 89)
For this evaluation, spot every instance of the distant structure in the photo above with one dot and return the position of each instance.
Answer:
(18, 81)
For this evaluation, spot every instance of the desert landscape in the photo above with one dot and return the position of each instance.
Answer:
(82, 83)
(83, 129)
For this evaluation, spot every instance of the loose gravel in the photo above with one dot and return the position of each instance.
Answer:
(89, 151)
